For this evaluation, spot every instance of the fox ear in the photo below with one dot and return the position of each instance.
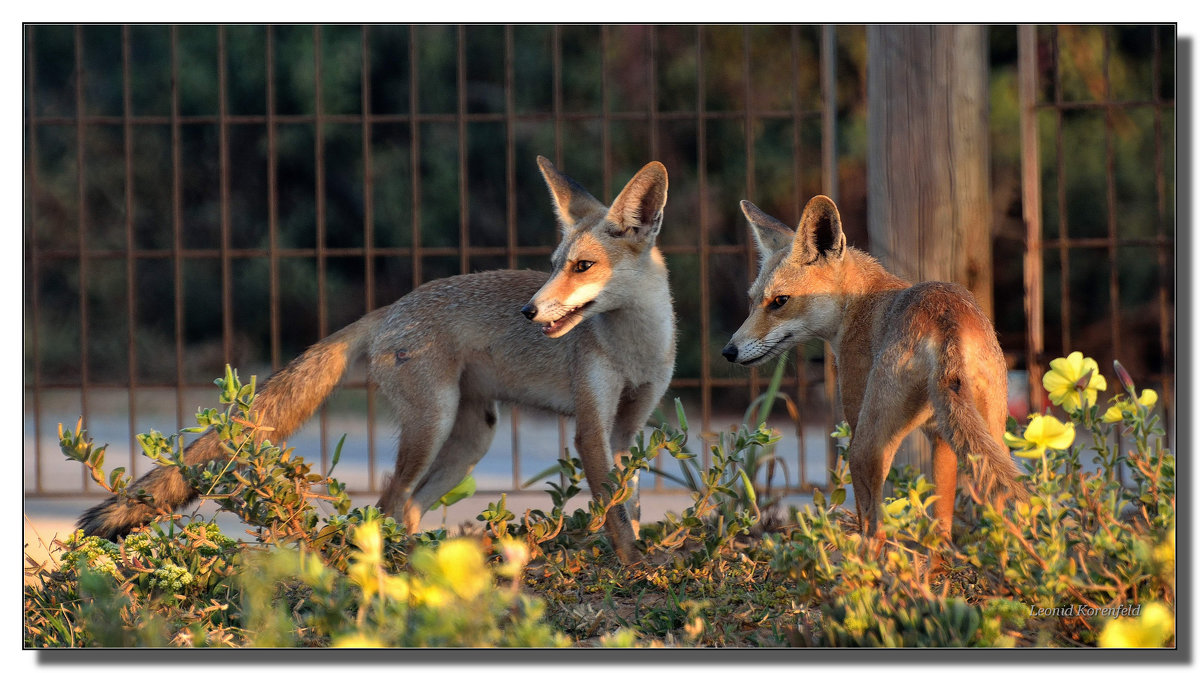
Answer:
(571, 201)
(820, 232)
(770, 234)
(637, 211)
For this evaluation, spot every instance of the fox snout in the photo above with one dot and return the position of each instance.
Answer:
(555, 318)
(750, 351)
(730, 352)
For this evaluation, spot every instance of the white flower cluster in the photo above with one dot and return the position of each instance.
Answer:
(95, 553)
(170, 577)
(139, 544)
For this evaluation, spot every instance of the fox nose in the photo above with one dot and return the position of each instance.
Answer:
(529, 311)
(730, 352)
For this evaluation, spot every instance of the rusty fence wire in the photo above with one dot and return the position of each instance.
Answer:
(1098, 195)
(202, 195)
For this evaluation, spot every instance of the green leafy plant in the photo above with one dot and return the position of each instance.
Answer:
(301, 580)
(1084, 545)
(1087, 547)
(449, 597)
(1088, 559)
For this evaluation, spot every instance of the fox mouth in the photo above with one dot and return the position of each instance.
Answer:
(566, 322)
(780, 345)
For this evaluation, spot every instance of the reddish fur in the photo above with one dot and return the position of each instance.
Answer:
(284, 402)
(909, 356)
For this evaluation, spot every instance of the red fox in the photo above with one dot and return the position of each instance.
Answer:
(596, 341)
(908, 356)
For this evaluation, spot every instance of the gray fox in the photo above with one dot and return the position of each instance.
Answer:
(594, 338)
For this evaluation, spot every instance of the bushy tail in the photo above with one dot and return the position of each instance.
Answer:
(284, 402)
(960, 423)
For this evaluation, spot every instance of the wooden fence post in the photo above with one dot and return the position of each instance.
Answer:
(928, 193)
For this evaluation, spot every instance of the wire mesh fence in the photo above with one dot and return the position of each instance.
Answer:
(201, 195)
(207, 194)
(1098, 188)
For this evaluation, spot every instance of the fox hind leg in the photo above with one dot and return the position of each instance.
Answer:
(888, 415)
(474, 428)
(945, 482)
(424, 427)
(867, 472)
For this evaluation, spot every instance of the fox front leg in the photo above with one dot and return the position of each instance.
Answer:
(597, 401)
(634, 409)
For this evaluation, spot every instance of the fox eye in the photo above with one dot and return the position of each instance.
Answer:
(779, 300)
(582, 265)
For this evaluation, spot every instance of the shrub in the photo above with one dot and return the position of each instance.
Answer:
(1090, 545)
(351, 578)
(1088, 559)
(1091, 540)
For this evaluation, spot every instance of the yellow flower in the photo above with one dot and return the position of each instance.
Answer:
(1164, 554)
(514, 554)
(366, 577)
(1148, 398)
(1043, 432)
(1117, 411)
(1015, 442)
(457, 564)
(366, 563)
(369, 541)
(1064, 379)
(428, 595)
(396, 587)
(1153, 628)
(357, 639)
